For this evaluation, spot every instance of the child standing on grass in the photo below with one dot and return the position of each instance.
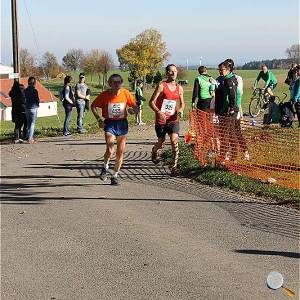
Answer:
(139, 101)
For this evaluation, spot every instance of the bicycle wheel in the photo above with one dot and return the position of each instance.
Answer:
(254, 107)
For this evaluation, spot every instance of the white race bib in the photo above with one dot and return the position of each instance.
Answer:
(116, 110)
(168, 107)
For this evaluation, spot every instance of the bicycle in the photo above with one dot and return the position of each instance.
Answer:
(259, 101)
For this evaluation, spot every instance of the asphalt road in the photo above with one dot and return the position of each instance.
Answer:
(67, 235)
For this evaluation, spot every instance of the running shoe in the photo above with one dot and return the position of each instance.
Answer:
(114, 180)
(154, 157)
(103, 174)
(174, 172)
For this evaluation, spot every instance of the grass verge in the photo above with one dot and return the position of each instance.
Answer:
(214, 176)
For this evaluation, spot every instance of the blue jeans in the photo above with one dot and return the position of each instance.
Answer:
(31, 115)
(68, 111)
(80, 105)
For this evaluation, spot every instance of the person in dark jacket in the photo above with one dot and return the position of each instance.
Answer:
(32, 105)
(68, 103)
(18, 112)
(295, 93)
(226, 107)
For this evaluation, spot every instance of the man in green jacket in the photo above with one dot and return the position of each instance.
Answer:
(269, 78)
(203, 90)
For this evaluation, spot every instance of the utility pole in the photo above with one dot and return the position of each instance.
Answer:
(187, 64)
(15, 38)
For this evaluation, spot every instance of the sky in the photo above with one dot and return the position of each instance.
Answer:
(194, 30)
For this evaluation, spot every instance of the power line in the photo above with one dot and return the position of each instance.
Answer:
(38, 48)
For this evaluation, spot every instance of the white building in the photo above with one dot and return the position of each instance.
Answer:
(48, 102)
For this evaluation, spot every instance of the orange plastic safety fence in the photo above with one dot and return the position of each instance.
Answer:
(271, 155)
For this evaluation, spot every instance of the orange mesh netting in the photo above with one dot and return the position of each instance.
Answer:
(271, 155)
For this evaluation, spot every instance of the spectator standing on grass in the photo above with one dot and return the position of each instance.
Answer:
(139, 97)
(18, 112)
(291, 75)
(68, 104)
(239, 94)
(203, 90)
(81, 98)
(295, 93)
(32, 104)
(226, 107)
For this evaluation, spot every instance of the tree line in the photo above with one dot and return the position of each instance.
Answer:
(96, 61)
(143, 56)
(293, 56)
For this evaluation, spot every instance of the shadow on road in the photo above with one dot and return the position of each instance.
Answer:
(249, 212)
(273, 253)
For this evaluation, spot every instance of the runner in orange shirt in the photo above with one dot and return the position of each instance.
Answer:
(113, 104)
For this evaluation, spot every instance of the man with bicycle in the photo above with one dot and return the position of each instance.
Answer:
(269, 78)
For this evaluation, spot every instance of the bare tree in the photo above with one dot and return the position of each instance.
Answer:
(50, 65)
(89, 63)
(72, 60)
(27, 63)
(294, 52)
(104, 65)
(181, 72)
(97, 62)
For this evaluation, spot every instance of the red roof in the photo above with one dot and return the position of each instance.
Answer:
(6, 84)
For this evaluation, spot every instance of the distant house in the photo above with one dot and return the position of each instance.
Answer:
(6, 71)
(48, 102)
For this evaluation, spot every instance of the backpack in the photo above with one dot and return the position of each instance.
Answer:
(287, 115)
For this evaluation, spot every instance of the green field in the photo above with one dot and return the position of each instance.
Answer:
(52, 126)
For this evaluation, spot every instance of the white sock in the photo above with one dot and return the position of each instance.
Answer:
(106, 166)
(115, 174)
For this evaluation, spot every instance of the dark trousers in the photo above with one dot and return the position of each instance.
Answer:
(20, 122)
(68, 111)
(229, 139)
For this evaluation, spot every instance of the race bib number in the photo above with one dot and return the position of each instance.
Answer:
(116, 110)
(168, 107)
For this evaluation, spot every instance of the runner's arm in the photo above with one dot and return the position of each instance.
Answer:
(152, 102)
(94, 106)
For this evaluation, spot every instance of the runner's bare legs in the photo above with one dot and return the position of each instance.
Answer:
(175, 150)
(110, 147)
(121, 143)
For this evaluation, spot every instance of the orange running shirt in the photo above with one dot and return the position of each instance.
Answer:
(114, 107)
